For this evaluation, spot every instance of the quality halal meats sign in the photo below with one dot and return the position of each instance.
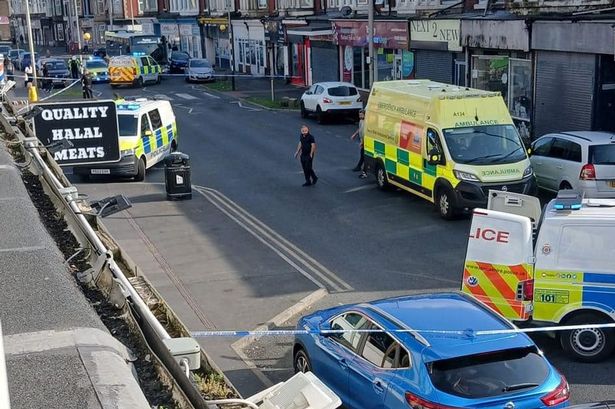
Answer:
(91, 127)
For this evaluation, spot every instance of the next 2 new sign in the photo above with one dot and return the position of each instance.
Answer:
(91, 126)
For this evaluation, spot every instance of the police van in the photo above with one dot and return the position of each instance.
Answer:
(137, 69)
(148, 132)
(546, 267)
(444, 143)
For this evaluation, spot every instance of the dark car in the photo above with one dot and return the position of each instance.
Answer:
(27, 60)
(100, 52)
(57, 70)
(178, 61)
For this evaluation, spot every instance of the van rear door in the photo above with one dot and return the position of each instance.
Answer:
(498, 269)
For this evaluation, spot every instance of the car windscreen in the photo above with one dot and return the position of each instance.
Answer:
(96, 64)
(56, 65)
(127, 124)
(485, 145)
(342, 91)
(490, 374)
(200, 64)
(602, 154)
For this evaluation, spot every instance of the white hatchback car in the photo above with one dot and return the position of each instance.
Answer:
(583, 161)
(326, 99)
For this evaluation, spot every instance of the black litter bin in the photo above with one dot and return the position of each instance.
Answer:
(177, 176)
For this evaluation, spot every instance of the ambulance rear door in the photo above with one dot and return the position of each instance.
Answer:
(498, 268)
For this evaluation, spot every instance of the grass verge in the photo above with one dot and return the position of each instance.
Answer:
(220, 85)
(267, 102)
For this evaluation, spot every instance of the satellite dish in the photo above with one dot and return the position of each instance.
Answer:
(346, 11)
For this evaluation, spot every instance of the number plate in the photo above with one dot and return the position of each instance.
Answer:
(100, 171)
(612, 183)
(345, 103)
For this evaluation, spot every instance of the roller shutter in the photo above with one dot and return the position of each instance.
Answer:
(434, 65)
(324, 62)
(564, 92)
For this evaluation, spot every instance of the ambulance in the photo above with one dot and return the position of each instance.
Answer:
(551, 267)
(137, 69)
(148, 133)
(447, 144)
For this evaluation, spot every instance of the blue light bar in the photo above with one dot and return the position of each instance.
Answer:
(138, 54)
(568, 200)
(128, 107)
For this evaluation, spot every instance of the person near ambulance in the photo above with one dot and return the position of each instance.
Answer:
(444, 143)
(562, 277)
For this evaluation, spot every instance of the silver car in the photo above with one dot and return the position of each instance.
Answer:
(583, 161)
(199, 69)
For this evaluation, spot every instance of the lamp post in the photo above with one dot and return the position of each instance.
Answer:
(31, 44)
(370, 39)
(78, 28)
(230, 39)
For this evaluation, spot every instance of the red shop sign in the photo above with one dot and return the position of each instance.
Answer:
(387, 34)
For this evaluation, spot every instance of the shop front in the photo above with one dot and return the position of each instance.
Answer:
(249, 46)
(500, 60)
(314, 56)
(216, 45)
(437, 48)
(277, 51)
(575, 76)
(392, 57)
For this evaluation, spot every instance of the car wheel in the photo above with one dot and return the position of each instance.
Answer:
(588, 344)
(445, 203)
(381, 177)
(301, 362)
(320, 116)
(140, 176)
(304, 112)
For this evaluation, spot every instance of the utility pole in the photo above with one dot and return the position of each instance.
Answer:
(110, 15)
(370, 39)
(132, 16)
(31, 44)
(78, 28)
(230, 39)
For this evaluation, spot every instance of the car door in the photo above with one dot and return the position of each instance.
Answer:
(154, 69)
(571, 168)
(557, 166)
(338, 350)
(372, 372)
(146, 69)
(161, 147)
(538, 158)
(308, 98)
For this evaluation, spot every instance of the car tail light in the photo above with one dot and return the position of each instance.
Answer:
(326, 100)
(557, 395)
(526, 290)
(588, 172)
(416, 402)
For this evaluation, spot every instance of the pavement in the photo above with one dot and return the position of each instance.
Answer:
(58, 352)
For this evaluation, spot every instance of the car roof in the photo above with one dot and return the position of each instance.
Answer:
(592, 137)
(329, 84)
(447, 324)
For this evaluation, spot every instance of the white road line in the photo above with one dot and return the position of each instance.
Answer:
(210, 95)
(163, 97)
(186, 96)
(356, 189)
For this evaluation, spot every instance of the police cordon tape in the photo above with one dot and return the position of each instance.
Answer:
(468, 333)
(245, 76)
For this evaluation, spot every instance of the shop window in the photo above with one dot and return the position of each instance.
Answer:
(490, 73)
(520, 103)
(385, 61)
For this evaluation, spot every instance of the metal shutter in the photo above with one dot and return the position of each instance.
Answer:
(434, 65)
(325, 66)
(564, 92)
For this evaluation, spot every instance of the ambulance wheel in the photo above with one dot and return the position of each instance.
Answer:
(588, 344)
(381, 177)
(445, 203)
(301, 361)
(140, 176)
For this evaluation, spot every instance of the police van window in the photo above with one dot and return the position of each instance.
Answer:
(127, 125)
(347, 323)
(586, 245)
(144, 124)
(542, 147)
(155, 119)
(144, 61)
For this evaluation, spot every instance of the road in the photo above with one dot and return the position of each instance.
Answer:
(253, 243)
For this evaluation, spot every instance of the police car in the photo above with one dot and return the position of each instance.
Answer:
(137, 69)
(548, 267)
(148, 132)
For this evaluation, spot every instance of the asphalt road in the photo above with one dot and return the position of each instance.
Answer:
(360, 243)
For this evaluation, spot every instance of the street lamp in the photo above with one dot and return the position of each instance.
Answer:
(230, 39)
(78, 29)
(31, 44)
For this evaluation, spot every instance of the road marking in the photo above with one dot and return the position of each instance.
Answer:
(364, 187)
(186, 96)
(210, 95)
(244, 107)
(298, 259)
(163, 97)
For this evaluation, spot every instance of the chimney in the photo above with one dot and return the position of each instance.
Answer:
(468, 5)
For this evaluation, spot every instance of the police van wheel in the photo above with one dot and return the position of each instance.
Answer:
(158, 79)
(588, 344)
(140, 176)
(381, 177)
(140, 82)
(445, 203)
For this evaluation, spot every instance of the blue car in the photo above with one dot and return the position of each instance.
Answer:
(425, 351)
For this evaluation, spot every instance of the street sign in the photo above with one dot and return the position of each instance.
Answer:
(91, 126)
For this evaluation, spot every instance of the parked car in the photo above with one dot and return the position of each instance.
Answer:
(199, 69)
(26, 59)
(98, 68)
(326, 99)
(409, 361)
(56, 69)
(178, 61)
(583, 161)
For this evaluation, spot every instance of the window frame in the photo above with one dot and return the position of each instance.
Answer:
(395, 344)
(549, 140)
(151, 118)
(141, 127)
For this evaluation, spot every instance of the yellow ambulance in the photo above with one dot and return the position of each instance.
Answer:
(137, 69)
(447, 144)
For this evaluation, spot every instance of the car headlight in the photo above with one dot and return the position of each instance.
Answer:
(466, 176)
(127, 152)
(528, 171)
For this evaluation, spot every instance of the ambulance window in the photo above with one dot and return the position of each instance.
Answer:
(433, 140)
(144, 124)
(155, 119)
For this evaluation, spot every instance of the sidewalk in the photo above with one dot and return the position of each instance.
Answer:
(260, 87)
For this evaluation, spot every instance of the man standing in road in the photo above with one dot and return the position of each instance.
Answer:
(360, 133)
(306, 149)
(86, 84)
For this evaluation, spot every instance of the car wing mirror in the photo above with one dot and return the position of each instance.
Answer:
(325, 329)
